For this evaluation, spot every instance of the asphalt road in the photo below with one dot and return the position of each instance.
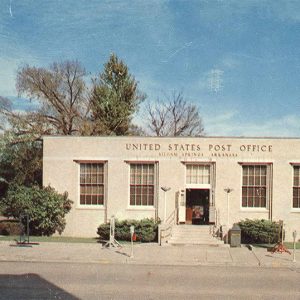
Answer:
(108, 281)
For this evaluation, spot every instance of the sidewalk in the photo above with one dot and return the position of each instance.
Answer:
(148, 254)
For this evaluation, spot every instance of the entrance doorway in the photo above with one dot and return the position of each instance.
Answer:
(197, 206)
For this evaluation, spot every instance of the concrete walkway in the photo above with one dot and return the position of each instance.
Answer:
(149, 254)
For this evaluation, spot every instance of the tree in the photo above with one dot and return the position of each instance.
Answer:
(20, 162)
(115, 98)
(5, 107)
(61, 93)
(45, 207)
(66, 106)
(175, 117)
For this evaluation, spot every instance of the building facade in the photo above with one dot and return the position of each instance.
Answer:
(206, 180)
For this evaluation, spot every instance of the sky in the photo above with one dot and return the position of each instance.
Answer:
(238, 61)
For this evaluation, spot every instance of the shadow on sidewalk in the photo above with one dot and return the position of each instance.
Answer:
(115, 250)
(279, 257)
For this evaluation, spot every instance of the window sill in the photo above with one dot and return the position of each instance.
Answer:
(254, 210)
(295, 210)
(90, 207)
(147, 208)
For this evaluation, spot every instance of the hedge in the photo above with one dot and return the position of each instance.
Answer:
(146, 230)
(259, 231)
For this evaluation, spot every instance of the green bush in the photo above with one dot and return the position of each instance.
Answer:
(259, 231)
(145, 230)
(10, 227)
(45, 207)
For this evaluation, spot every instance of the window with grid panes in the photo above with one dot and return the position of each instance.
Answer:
(142, 184)
(91, 183)
(197, 174)
(254, 189)
(296, 187)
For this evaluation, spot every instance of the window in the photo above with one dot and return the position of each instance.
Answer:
(254, 189)
(142, 184)
(197, 174)
(296, 187)
(91, 183)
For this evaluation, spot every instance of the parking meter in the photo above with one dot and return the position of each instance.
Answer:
(132, 235)
(131, 229)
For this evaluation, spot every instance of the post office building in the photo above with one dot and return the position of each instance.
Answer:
(201, 180)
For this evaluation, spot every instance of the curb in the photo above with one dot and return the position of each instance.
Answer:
(129, 261)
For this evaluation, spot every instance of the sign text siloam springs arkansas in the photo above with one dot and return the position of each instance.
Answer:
(198, 150)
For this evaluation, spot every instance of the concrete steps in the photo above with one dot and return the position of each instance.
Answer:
(193, 235)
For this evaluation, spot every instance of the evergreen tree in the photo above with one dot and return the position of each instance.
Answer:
(115, 99)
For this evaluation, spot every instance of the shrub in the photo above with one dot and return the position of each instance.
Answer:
(145, 230)
(259, 231)
(10, 227)
(45, 207)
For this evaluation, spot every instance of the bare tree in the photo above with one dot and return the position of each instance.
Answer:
(62, 100)
(175, 117)
(5, 107)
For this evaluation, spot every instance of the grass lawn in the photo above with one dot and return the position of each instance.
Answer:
(55, 239)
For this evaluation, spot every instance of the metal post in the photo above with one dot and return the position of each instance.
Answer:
(165, 189)
(159, 234)
(112, 231)
(228, 191)
(27, 220)
(131, 234)
(294, 252)
(228, 210)
(165, 208)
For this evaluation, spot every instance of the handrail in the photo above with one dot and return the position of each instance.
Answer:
(166, 227)
(171, 217)
(164, 231)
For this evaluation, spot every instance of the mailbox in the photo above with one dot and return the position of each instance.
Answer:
(235, 236)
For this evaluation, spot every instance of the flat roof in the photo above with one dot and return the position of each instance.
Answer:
(168, 137)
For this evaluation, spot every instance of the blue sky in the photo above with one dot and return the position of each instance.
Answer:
(237, 60)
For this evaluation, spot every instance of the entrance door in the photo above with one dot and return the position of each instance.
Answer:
(197, 206)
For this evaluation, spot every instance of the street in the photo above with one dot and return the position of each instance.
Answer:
(119, 281)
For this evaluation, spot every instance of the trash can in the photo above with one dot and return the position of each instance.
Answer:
(235, 236)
